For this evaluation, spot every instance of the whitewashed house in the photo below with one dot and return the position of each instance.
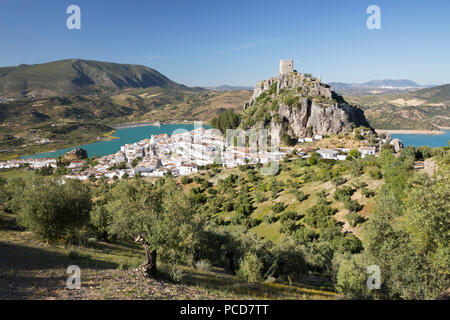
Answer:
(159, 173)
(8, 165)
(187, 168)
(367, 151)
(38, 164)
(76, 165)
(328, 154)
(345, 150)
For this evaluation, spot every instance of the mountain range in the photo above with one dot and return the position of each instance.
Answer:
(386, 86)
(226, 87)
(77, 77)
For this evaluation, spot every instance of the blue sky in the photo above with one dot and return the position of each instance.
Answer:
(208, 43)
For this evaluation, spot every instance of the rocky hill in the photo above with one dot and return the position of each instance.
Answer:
(300, 105)
(77, 77)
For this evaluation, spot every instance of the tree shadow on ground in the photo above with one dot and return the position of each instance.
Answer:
(8, 222)
(19, 257)
(25, 286)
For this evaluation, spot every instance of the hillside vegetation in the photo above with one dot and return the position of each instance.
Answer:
(310, 231)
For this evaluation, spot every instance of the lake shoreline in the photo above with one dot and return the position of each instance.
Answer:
(136, 125)
(153, 124)
(430, 132)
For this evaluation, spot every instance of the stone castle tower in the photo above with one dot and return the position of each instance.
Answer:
(286, 66)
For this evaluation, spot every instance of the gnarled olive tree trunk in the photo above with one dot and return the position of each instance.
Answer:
(149, 265)
(230, 257)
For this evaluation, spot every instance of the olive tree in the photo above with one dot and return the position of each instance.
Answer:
(54, 209)
(159, 217)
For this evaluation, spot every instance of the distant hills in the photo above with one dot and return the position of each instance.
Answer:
(434, 96)
(438, 94)
(376, 87)
(229, 88)
(420, 109)
(77, 77)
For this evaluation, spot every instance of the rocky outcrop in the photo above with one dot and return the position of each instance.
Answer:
(313, 118)
(310, 86)
(300, 105)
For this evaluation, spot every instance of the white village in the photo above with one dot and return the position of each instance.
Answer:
(183, 153)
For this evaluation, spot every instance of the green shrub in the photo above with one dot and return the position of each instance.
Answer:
(288, 226)
(290, 261)
(270, 218)
(273, 88)
(359, 184)
(250, 222)
(337, 181)
(274, 193)
(228, 206)
(350, 243)
(343, 193)
(91, 242)
(186, 180)
(278, 207)
(287, 140)
(301, 196)
(176, 274)
(238, 218)
(259, 197)
(203, 265)
(356, 168)
(375, 173)
(352, 205)
(228, 120)
(314, 159)
(250, 269)
(244, 208)
(289, 215)
(305, 234)
(198, 179)
(367, 193)
(352, 277)
(354, 219)
(319, 215)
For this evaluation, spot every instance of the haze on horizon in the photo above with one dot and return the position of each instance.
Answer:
(237, 43)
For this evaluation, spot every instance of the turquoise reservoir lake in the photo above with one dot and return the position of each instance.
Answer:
(125, 135)
(417, 140)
